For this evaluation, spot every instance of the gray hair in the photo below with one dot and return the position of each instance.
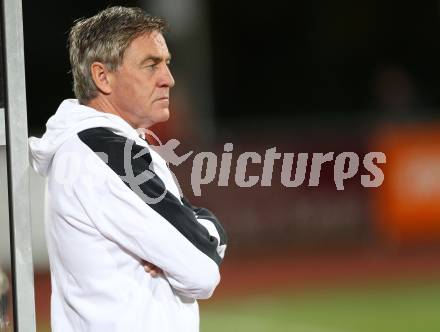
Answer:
(104, 38)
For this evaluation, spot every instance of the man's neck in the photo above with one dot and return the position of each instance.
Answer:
(104, 105)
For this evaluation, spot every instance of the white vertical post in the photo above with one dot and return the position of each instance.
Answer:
(18, 167)
(2, 127)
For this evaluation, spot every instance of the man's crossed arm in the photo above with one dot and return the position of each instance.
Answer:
(186, 243)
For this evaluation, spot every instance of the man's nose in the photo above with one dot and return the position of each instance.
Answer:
(166, 78)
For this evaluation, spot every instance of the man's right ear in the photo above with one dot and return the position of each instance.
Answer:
(100, 76)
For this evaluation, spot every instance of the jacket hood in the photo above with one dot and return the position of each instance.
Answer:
(69, 119)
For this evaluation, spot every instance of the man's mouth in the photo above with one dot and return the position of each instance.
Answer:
(164, 100)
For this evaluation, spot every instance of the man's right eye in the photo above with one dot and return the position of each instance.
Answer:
(152, 66)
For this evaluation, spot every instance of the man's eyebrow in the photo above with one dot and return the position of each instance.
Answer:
(155, 59)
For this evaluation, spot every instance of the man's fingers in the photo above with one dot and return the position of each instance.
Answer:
(151, 269)
(147, 265)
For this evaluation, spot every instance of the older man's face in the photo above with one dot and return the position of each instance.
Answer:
(141, 85)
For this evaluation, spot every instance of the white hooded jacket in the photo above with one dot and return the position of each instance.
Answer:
(112, 203)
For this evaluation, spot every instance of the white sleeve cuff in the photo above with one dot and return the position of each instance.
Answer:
(212, 230)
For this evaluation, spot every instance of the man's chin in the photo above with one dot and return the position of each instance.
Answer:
(164, 115)
(160, 116)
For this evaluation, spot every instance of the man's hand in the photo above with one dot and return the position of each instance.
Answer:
(152, 269)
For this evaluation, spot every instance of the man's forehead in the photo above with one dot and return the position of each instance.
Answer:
(154, 43)
(158, 38)
(153, 39)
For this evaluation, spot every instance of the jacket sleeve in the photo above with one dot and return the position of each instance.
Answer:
(208, 220)
(146, 219)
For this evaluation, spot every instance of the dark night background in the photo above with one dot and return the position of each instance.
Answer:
(277, 61)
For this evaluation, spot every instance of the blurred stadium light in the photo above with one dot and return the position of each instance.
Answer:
(406, 207)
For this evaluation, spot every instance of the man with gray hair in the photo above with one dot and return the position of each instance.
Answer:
(113, 206)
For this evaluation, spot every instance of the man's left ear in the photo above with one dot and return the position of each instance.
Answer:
(101, 77)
